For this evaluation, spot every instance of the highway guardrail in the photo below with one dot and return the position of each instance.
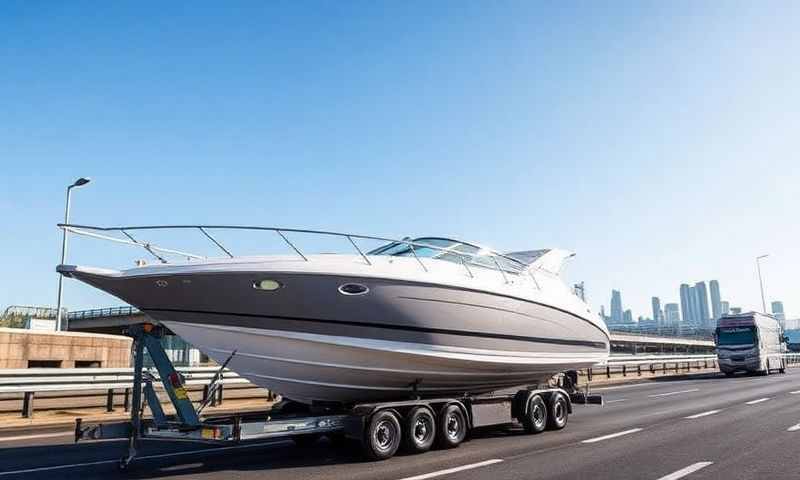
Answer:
(71, 382)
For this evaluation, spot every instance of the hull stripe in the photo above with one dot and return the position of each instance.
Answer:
(408, 328)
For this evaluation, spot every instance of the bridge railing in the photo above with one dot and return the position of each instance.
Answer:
(102, 312)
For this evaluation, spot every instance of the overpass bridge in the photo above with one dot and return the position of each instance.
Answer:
(114, 320)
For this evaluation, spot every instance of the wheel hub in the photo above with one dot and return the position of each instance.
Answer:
(384, 435)
(421, 429)
(453, 426)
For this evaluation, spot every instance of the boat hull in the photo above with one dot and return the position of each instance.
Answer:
(310, 342)
(331, 368)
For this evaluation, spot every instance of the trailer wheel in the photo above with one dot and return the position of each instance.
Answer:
(557, 411)
(419, 430)
(534, 419)
(452, 427)
(306, 439)
(783, 366)
(383, 435)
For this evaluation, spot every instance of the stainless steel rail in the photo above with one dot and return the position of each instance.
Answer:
(512, 265)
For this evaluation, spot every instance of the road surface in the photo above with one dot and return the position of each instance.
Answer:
(700, 428)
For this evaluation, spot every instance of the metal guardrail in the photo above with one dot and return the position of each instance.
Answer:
(625, 364)
(29, 381)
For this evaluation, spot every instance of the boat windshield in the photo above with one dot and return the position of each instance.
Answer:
(448, 250)
(736, 336)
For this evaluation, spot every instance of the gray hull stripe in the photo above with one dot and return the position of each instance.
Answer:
(462, 333)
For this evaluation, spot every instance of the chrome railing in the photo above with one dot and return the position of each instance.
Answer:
(494, 260)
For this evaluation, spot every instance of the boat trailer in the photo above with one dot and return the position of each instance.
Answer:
(537, 409)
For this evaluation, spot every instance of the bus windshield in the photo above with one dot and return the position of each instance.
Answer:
(736, 336)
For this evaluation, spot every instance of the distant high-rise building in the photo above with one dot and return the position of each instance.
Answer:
(716, 302)
(777, 312)
(658, 315)
(694, 308)
(627, 317)
(686, 305)
(701, 292)
(672, 317)
(725, 307)
(616, 307)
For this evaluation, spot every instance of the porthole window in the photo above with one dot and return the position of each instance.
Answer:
(268, 285)
(353, 289)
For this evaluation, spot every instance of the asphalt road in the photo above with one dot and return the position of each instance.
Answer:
(700, 428)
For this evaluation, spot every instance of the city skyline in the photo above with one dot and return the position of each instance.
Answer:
(693, 309)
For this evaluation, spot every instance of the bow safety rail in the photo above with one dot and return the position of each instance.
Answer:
(466, 254)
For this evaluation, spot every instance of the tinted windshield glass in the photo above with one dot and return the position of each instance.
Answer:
(736, 336)
(448, 250)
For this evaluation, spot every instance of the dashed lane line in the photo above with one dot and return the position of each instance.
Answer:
(615, 401)
(686, 471)
(448, 471)
(758, 400)
(793, 428)
(673, 393)
(613, 435)
(703, 414)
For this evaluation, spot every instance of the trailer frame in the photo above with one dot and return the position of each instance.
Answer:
(535, 408)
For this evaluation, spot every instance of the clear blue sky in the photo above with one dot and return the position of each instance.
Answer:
(656, 139)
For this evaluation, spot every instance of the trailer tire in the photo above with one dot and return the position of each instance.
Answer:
(557, 411)
(383, 435)
(419, 430)
(534, 418)
(452, 427)
(782, 370)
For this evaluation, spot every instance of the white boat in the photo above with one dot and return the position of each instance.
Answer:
(424, 317)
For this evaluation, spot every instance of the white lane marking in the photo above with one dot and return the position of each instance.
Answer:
(793, 428)
(622, 386)
(613, 435)
(686, 471)
(759, 400)
(704, 414)
(439, 473)
(143, 457)
(673, 393)
(617, 400)
(795, 392)
(38, 435)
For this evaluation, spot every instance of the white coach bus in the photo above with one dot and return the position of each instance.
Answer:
(750, 342)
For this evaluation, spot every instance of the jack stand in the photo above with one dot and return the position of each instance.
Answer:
(148, 336)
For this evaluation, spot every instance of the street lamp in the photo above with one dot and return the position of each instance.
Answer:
(78, 183)
(761, 282)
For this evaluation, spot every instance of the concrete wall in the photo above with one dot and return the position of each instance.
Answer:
(18, 347)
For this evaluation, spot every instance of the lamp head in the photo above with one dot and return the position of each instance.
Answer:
(81, 182)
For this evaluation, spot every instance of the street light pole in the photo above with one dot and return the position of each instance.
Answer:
(761, 282)
(78, 183)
